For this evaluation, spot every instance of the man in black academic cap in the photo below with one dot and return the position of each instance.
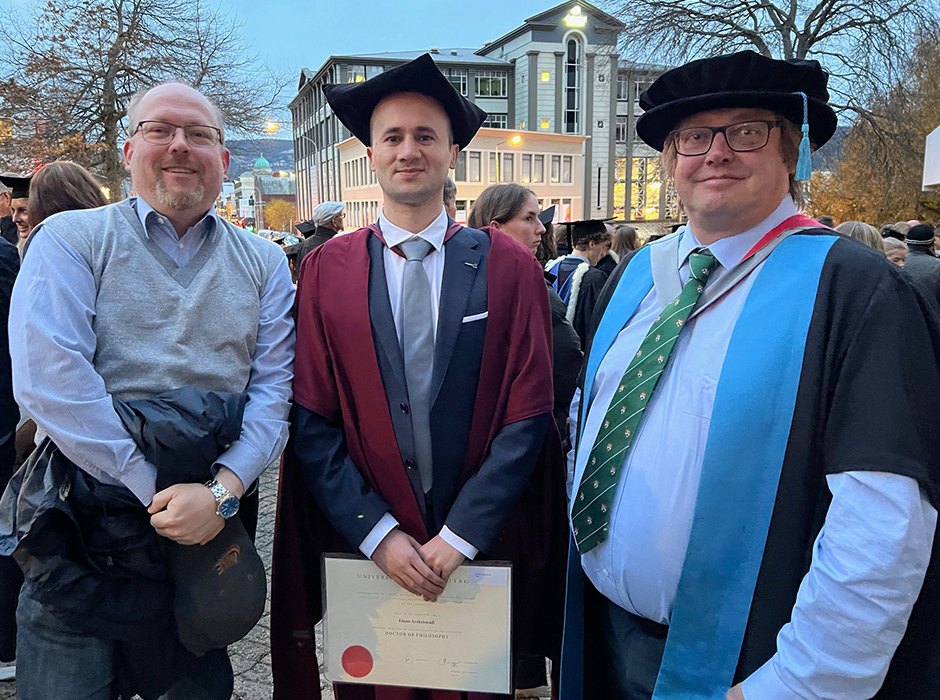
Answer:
(577, 279)
(755, 482)
(922, 263)
(422, 392)
(19, 204)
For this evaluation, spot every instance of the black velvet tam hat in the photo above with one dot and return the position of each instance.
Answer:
(744, 79)
(354, 103)
(19, 185)
(547, 215)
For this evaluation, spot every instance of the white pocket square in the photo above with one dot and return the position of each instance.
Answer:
(475, 317)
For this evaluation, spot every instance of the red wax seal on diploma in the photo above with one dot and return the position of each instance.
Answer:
(357, 662)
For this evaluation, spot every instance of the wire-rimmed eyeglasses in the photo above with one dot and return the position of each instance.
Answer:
(162, 133)
(741, 137)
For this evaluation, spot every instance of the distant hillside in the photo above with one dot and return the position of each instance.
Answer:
(244, 152)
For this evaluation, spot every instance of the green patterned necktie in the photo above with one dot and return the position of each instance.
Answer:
(591, 503)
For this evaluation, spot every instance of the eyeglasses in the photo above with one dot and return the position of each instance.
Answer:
(163, 133)
(741, 137)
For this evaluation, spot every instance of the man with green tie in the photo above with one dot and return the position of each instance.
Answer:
(752, 497)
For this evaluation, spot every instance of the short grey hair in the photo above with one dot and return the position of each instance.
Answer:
(450, 190)
(860, 231)
(134, 105)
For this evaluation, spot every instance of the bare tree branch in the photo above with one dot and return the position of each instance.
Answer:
(72, 66)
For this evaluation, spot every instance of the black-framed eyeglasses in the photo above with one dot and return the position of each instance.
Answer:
(741, 137)
(162, 133)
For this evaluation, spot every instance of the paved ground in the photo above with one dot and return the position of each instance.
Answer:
(251, 657)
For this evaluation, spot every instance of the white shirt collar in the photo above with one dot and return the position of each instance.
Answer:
(731, 250)
(433, 234)
(144, 209)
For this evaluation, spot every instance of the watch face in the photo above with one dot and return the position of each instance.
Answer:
(228, 507)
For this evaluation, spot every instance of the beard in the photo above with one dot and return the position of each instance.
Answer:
(178, 201)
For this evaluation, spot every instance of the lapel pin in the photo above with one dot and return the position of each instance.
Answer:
(470, 264)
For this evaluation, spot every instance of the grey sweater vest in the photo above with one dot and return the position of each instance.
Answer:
(159, 326)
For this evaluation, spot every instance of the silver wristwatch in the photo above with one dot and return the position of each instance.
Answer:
(226, 503)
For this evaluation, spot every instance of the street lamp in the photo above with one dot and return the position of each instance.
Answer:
(512, 141)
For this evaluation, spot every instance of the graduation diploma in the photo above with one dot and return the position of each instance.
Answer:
(377, 633)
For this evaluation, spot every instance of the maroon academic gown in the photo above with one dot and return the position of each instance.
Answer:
(337, 376)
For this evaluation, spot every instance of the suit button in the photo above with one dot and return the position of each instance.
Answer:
(404, 408)
(410, 463)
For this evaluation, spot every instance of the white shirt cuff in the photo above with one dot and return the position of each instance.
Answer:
(459, 543)
(765, 684)
(386, 524)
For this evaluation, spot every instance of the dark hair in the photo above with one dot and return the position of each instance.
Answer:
(624, 239)
(498, 203)
(826, 221)
(547, 249)
(62, 186)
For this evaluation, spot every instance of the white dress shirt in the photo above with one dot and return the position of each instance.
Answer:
(395, 275)
(854, 604)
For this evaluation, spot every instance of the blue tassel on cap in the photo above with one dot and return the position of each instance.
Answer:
(804, 165)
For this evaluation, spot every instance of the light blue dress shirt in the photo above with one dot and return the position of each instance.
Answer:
(869, 559)
(53, 345)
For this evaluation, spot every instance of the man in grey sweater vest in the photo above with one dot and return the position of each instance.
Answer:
(131, 300)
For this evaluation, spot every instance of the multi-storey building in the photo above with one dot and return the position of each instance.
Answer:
(562, 108)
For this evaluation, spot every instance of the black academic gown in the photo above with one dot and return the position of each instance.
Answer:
(8, 230)
(867, 397)
(582, 292)
(320, 236)
(566, 361)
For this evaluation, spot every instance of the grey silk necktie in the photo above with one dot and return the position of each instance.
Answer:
(417, 344)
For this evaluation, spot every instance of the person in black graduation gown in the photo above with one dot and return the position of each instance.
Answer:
(577, 281)
(14, 225)
(768, 529)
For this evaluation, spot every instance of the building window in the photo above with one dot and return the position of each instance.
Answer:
(495, 121)
(526, 168)
(355, 74)
(503, 173)
(623, 86)
(468, 167)
(474, 173)
(458, 78)
(621, 130)
(556, 170)
(490, 83)
(620, 187)
(573, 86)
(372, 71)
(538, 169)
(646, 181)
(566, 163)
(640, 86)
